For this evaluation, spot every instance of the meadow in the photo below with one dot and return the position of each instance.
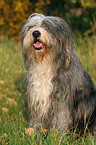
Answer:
(13, 120)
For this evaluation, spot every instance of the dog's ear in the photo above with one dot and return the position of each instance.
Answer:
(64, 55)
(68, 48)
(23, 32)
(63, 34)
(67, 45)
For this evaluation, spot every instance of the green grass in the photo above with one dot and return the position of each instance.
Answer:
(12, 111)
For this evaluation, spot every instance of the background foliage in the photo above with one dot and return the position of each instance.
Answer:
(80, 14)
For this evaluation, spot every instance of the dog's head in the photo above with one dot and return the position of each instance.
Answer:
(44, 38)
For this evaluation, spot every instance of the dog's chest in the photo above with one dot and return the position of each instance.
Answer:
(41, 87)
(42, 81)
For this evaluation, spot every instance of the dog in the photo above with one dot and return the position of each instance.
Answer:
(59, 91)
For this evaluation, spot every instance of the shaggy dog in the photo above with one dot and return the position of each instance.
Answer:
(59, 91)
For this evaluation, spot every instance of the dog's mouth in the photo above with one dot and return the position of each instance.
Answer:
(39, 45)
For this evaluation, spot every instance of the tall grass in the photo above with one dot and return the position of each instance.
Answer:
(12, 110)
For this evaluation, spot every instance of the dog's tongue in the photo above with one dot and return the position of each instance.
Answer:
(38, 44)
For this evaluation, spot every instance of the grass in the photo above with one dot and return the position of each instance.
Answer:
(12, 111)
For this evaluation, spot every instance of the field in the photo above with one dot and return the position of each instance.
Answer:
(13, 122)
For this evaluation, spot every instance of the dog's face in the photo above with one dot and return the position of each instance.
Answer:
(43, 37)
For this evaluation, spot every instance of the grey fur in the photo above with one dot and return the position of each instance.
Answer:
(72, 96)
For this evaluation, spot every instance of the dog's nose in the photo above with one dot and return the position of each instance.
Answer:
(36, 33)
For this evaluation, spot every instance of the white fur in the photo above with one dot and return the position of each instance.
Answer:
(40, 87)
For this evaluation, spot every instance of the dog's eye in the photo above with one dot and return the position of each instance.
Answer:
(46, 26)
(29, 27)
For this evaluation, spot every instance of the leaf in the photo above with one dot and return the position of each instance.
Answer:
(5, 109)
(29, 131)
(5, 143)
(45, 130)
(1, 82)
(5, 135)
(12, 101)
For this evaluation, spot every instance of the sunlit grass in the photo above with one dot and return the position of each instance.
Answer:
(12, 110)
(86, 50)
